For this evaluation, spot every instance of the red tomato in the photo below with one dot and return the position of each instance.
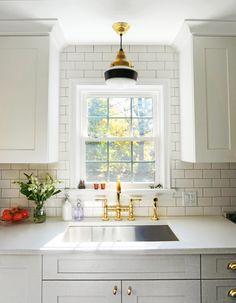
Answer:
(7, 217)
(25, 213)
(6, 211)
(17, 217)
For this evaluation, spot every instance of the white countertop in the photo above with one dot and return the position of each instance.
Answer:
(196, 235)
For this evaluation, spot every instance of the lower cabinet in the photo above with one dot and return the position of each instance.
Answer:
(130, 291)
(107, 278)
(218, 278)
(20, 279)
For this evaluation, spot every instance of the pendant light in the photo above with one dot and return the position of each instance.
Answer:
(121, 73)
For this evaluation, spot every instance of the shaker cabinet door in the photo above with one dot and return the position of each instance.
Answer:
(157, 291)
(20, 279)
(82, 292)
(28, 100)
(215, 98)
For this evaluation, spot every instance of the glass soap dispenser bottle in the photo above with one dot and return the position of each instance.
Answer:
(78, 213)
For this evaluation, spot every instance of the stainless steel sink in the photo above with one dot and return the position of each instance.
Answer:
(125, 233)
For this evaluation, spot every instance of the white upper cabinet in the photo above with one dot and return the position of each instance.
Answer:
(29, 92)
(207, 91)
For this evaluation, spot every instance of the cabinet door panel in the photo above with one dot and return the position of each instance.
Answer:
(20, 279)
(25, 100)
(172, 291)
(216, 291)
(81, 291)
(214, 93)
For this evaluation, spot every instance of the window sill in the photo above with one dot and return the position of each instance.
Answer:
(139, 192)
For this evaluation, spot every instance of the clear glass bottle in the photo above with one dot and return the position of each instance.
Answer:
(78, 213)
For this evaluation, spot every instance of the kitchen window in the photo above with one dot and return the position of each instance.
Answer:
(118, 133)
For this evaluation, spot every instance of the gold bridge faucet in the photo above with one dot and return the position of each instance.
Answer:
(118, 208)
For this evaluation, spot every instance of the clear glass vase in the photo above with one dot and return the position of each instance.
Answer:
(39, 215)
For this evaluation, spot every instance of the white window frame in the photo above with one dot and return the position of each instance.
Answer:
(81, 88)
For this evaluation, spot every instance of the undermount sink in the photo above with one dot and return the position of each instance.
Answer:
(125, 233)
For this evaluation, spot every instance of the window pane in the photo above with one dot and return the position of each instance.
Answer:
(121, 169)
(143, 151)
(119, 107)
(97, 127)
(142, 127)
(142, 107)
(120, 151)
(96, 172)
(97, 107)
(143, 172)
(119, 127)
(96, 151)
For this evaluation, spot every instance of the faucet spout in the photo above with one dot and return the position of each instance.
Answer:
(118, 191)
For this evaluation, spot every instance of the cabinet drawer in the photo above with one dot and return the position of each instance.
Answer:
(216, 291)
(217, 267)
(81, 266)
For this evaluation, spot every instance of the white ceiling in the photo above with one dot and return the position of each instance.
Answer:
(89, 21)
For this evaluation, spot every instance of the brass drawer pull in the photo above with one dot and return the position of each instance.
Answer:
(232, 293)
(114, 291)
(129, 290)
(232, 266)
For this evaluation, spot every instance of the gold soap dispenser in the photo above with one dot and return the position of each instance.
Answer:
(154, 215)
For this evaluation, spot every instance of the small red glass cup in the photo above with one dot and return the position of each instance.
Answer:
(95, 185)
(103, 185)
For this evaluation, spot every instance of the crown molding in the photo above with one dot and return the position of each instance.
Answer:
(33, 27)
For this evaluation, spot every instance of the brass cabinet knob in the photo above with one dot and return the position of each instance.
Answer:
(232, 266)
(129, 290)
(232, 293)
(114, 291)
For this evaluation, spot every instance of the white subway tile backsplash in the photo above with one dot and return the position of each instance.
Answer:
(229, 192)
(137, 48)
(212, 192)
(221, 201)
(10, 193)
(147, 57)
(194, 211)
(221, 182)
(93, 56)
(69, 49)
(84, 48)
(227, 173)
(193, 173)
(156, 48)
(75, 56)
(176, 211)
(102, 48)
(212, 211)
(203, 201)
(10, 174)
(211, 173)
(74, 74)
(203, 182)
(183, 165)
(214, 183)
(184, 183)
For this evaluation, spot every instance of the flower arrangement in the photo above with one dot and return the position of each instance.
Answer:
(39, 192)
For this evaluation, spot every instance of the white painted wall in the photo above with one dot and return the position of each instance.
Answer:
(214, 183)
